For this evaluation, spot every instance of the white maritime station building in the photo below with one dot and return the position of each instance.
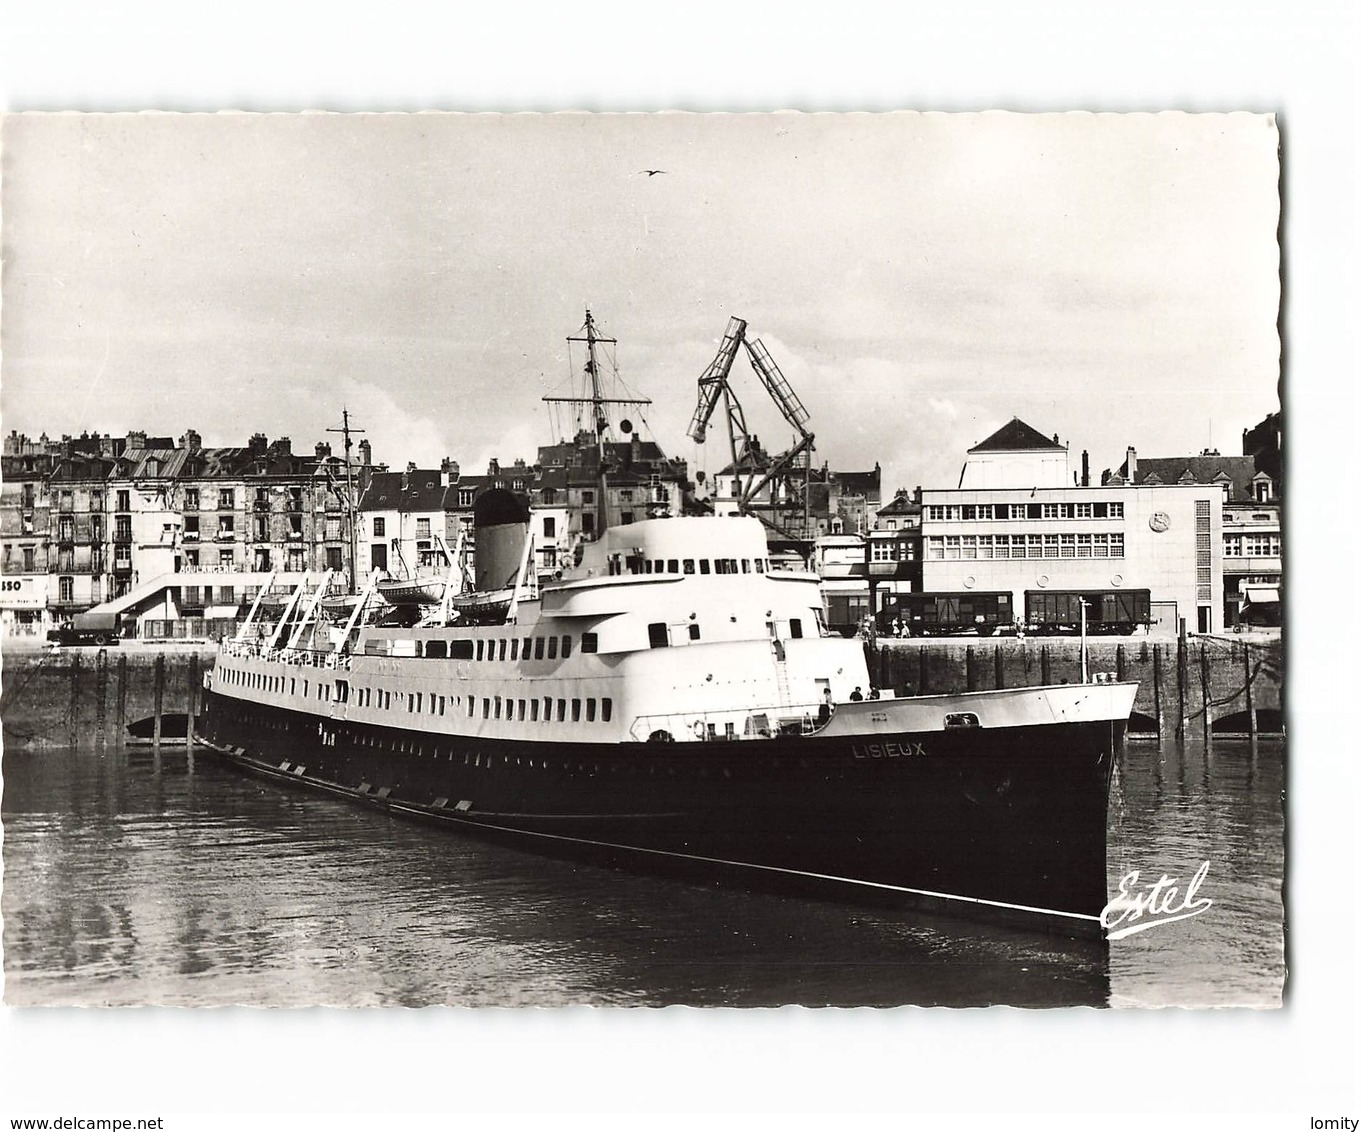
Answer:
(1018, 525)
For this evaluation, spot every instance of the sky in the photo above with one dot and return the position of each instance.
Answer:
(919, 278)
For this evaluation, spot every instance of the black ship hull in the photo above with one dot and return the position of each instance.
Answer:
(1005, 823)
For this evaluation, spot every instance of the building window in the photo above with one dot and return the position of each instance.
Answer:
(28, 559)
(225, 499)
(121, 500)
(378, 528)
(66, 589)
(1262, 491)
(587, 523)
(297, 526)
(1115, 511)
(953, 546)
(259, 527)
(192, 559)
(424, 529)
(226, 525)
(465, 496)
(549, 528)
(1115, 545)
(1017, 546)
(1001, 546)
(192, 499)
(1067, 546)
(625, 517)
(1034, 546)
(226, 558)
(333, 557)
(587, 498)
(1017, 510)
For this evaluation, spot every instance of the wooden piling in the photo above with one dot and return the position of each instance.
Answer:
(1250, 691)
(192, 697)
(1206, 694)
(1121, 665)
(158, 690)
(970, 668)
(885, 666)
(1046, 667)
(1156, 694)
(101, 694)
(998, 666)
(74, 704)
(121, 696)
(1181, 674)
(922, 670)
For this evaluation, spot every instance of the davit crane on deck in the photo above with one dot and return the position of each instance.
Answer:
(746, 451)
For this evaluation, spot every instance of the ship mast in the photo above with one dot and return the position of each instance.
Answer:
(597, 401)
(350, 504)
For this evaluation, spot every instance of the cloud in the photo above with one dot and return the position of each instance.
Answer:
(944, 408)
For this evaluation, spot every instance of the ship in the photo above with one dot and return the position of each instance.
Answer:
(674, 703)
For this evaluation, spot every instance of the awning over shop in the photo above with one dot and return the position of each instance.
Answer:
(1261, 594)
(222, 612)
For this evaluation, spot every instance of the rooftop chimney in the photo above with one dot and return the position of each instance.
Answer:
(1084, 469)
(322, 450)
(364, 449)
(191, 440)
(1131, 473)
(257, 445)
(493, 469)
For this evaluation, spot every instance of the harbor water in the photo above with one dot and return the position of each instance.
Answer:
(141, 878)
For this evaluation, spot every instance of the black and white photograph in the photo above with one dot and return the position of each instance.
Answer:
(597, 558)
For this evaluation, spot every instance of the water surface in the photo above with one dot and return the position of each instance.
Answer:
(139, 879)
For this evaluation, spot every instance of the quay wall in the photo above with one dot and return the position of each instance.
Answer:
(73, 697)
(1223, 683)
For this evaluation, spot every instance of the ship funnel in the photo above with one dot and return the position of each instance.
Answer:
(501, 533)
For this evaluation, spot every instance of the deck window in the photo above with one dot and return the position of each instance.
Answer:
(523, 710)
(533, 710)
(547, 708)
(694, 632)
(575, 711)
(485, 707)
(656, 635)
(498, 704)
(462, 650)
(471, 706)
(673, 565)
(689, 565)
(589, 642)
(527, 648)
(590, 711)
(480, 650)
(566, 646)
(796, 627)
(538, 648)
(503, 647)
(435, 649)
(551, 648)
(561, 711)
(508, 709)
(703, 565)
(606, 709)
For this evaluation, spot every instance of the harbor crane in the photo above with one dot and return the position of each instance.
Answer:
(746, 450)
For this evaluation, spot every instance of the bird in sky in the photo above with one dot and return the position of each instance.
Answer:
(652, 172)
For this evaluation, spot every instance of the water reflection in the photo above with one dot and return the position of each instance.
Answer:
(140, 878)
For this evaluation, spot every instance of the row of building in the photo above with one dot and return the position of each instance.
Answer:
(179, 536)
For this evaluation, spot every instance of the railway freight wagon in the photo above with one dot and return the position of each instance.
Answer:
(943, 615)
(1117, 612)
(846, 612)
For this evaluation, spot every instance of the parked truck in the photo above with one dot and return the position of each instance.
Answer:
(88, 629)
